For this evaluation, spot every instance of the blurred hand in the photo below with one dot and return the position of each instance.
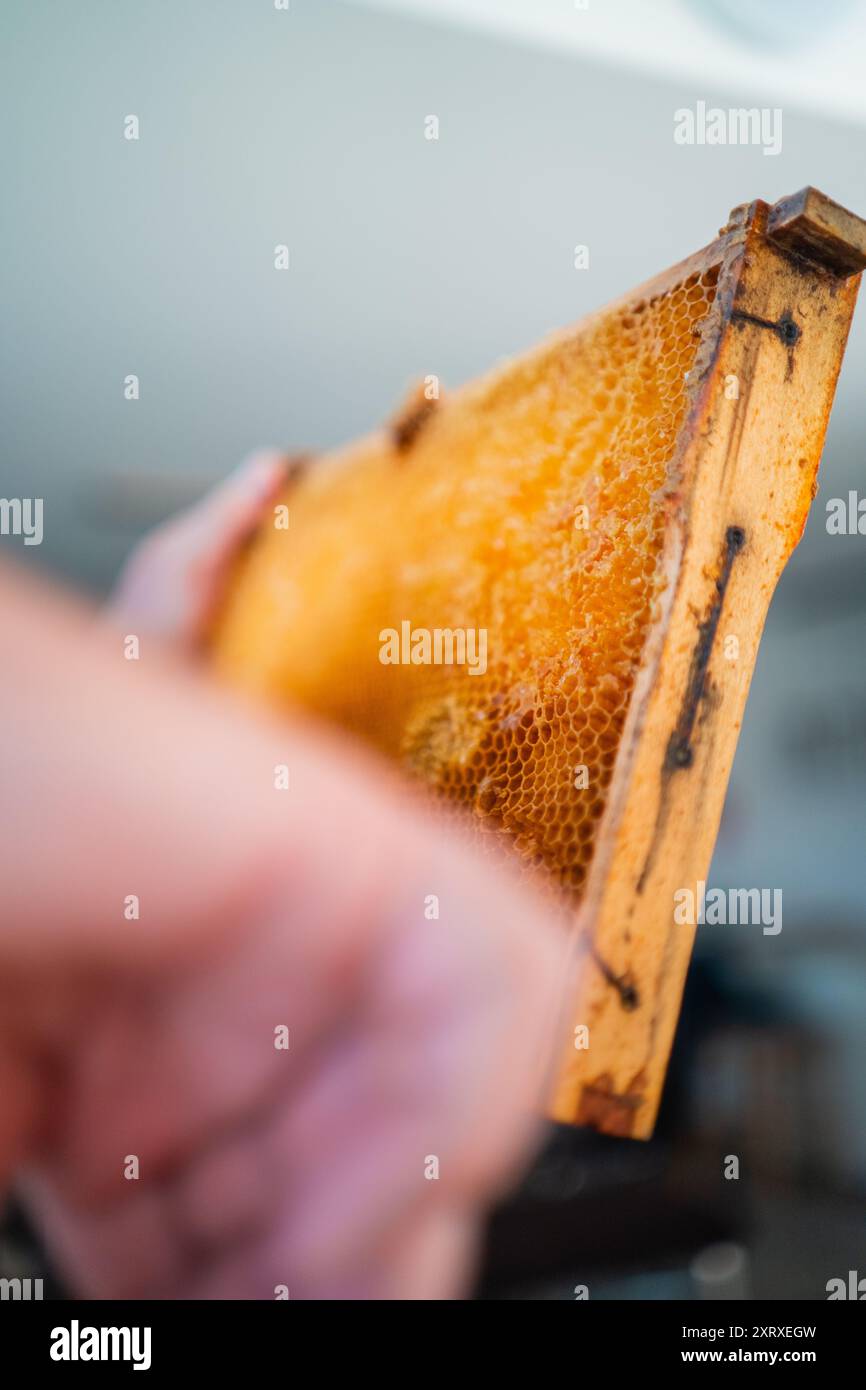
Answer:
(168, 1147)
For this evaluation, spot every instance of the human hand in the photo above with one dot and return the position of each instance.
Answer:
(410, 1040)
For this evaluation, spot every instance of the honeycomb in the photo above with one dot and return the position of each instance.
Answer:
(529, 506)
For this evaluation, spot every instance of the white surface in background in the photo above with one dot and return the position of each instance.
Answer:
(823, 72)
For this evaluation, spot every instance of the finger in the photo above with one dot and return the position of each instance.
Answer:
(431, 1256)
(432, 1096)
(174, 579)
(128, 1250)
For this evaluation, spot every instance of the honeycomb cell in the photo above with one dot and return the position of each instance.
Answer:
(529, 507)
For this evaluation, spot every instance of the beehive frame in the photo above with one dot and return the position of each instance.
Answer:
(738, 480)
(788, 277)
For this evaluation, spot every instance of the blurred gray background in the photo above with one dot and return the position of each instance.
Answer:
(411, 256)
